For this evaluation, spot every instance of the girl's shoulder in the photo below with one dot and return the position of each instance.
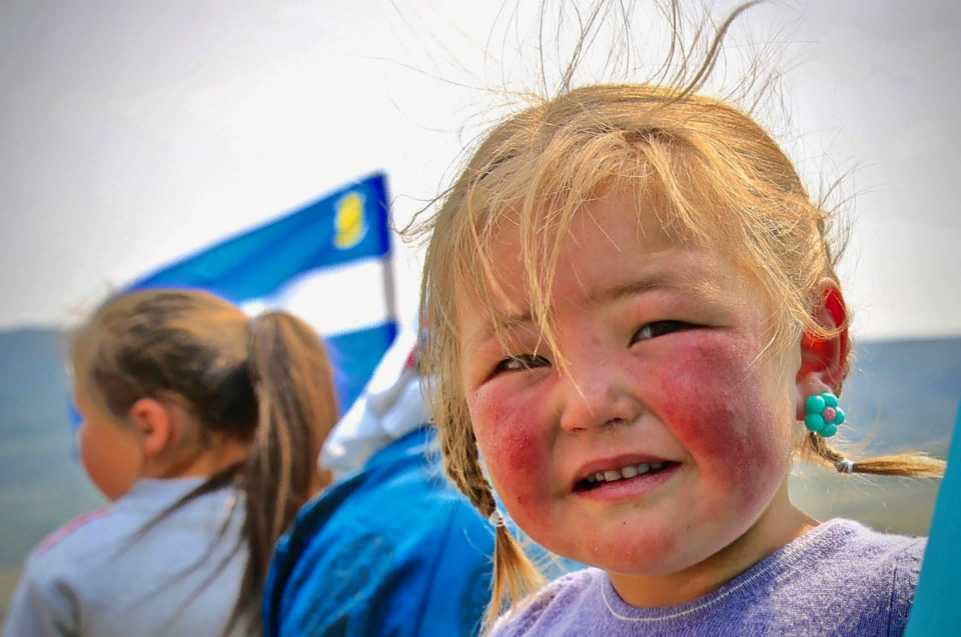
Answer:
(83, 524)
(571, 597)
(844, 577)
(51, 581)
(891, 563)
(89, 541)
(851, 544)
(71, 539)
(64, 560)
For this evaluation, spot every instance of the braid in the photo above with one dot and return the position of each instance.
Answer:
(911, 464)
(462, 464)
(475, 483)
(515, 576)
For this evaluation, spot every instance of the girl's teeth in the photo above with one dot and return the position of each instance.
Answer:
(612, 475)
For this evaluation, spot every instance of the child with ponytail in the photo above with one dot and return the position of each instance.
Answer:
(202, 427)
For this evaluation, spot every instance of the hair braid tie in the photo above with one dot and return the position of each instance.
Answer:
(844, 465)
(497, 519)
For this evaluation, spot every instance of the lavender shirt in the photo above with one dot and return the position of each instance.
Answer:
(840, 579)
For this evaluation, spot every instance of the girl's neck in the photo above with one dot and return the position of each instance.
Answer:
(203, 463)
(211, 461)
(781, 523)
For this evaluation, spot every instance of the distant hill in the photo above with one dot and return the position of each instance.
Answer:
(906, 392)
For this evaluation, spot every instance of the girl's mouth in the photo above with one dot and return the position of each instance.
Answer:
(642, 471)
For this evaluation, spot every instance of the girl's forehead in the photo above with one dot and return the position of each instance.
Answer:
(609, 229)
(610, 222)
(611, 248)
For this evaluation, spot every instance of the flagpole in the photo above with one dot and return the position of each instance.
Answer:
(390, 291)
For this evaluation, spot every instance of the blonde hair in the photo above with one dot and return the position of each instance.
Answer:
(266, 381)
(713, 175)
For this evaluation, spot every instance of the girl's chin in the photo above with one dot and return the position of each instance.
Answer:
(625, 539)
(649, 550)
(616, 554)
(656, 552)
(625, 561)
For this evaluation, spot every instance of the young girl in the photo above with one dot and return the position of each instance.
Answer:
(203, 428)
(635, 321)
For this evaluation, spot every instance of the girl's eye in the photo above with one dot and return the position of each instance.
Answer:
(521, 362)
(659, 328)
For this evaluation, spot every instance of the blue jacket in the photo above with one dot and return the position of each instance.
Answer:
(393, 550)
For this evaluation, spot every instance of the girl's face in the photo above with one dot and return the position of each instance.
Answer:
(668, 435)
(111, 455)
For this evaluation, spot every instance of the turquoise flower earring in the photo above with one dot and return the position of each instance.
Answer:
(823, 414)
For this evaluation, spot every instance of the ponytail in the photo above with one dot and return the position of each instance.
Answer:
(297, 407)
(908, 465)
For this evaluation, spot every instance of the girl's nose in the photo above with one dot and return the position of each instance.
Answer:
(594, 396)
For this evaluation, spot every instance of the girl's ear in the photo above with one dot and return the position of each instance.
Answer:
(153, 422)
(823, 361)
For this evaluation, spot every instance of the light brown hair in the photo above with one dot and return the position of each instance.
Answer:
(265, 381)
(708, 170)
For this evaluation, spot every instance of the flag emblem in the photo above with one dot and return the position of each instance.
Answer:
(350, 224)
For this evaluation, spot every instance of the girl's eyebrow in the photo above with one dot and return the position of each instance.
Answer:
(683, 274)
(648, 282)
(654, 280)
(678, 275)
(498, 325)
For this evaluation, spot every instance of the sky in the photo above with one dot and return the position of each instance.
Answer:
(133, 133)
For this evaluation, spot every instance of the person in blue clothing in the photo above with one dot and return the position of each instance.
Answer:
(392, 548)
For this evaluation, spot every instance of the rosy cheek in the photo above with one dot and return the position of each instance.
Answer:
(513, 442)
(717, 409)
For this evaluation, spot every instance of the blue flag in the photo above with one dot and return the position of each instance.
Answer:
(328, 263)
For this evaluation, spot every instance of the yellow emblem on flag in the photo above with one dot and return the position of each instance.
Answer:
(350, 225)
